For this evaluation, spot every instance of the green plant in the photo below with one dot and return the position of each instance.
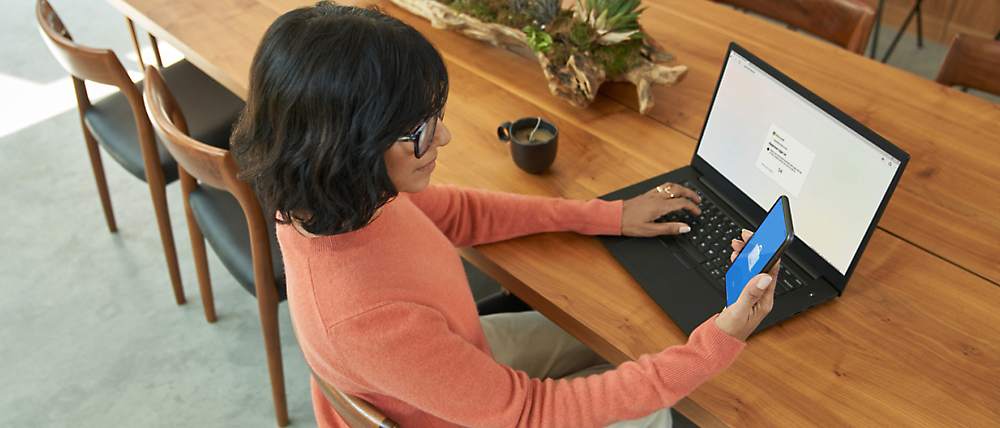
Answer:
(544, 11)
(474, 8)
(614, 20)
(582, 34)
(620, 57)
(538, 39)
(519, 6)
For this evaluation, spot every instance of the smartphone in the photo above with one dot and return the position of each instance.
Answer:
(766, 246)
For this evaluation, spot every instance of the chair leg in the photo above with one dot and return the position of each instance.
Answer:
(272, 343)
(902, 28)
(159, 192)
(102, 183)
(201, 263)
(878, 23)
(156, 51)
(135, 42)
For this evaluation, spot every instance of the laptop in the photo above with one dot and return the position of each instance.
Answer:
(766, 136)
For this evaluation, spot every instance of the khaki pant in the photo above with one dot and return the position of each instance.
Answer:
(529, 342)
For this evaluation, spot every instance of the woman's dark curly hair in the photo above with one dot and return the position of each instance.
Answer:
(331, 89)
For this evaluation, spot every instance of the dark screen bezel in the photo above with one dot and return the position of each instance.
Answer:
(743, 202)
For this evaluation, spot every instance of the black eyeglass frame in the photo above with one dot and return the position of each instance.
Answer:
(421, 139)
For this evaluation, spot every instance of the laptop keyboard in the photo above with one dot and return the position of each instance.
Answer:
(711, 235)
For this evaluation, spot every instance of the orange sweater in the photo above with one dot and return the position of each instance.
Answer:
(385, 313)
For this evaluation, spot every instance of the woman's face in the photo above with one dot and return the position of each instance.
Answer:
(408, 173)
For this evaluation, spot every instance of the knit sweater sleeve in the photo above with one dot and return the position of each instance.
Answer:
(473, 217)
(406, 350)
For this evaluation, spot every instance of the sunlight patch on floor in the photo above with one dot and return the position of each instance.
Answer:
(26, 103)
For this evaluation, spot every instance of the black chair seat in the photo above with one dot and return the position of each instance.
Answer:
(209, 107)
(224, 225)
(501, 302)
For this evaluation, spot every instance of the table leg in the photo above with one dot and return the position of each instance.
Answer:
(899, 34)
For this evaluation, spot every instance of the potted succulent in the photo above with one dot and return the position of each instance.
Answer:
(578, 48)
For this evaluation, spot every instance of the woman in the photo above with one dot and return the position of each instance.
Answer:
(340, 136)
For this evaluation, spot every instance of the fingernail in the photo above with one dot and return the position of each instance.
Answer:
(764, 282)
(685, 229)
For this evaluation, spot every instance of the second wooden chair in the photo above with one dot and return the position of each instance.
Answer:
(847, 23)
(119, 123)
(222, 209)
(972, 62)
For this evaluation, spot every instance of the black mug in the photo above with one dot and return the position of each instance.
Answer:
(533, 143)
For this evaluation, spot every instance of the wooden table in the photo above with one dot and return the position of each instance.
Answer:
(913, 341)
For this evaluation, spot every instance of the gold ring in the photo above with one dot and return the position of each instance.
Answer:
(658, 189)
(669, 193)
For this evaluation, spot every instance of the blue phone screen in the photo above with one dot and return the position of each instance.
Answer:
(762, 246)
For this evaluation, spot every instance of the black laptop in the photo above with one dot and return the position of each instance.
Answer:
(766, 136)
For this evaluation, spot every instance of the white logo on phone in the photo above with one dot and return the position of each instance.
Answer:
(753, 257)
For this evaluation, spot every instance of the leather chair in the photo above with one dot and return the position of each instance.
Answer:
(847, 23)
(224, 210)
(972, 62)
(120, 125)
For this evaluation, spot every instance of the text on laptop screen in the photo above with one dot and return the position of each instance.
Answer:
(768, 140)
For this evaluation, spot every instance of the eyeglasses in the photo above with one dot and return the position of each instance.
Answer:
(423, 135)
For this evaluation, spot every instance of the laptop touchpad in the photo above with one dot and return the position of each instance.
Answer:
(670, 279)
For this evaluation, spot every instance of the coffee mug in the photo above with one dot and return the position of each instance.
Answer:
(533, 143)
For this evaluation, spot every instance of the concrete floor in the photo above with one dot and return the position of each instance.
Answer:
(90, 333)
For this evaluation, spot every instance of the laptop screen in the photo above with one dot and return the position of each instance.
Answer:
(768, 140)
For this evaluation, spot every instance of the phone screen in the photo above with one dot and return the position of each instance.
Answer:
(765, 247)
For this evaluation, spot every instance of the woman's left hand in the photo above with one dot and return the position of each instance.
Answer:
(639, 213)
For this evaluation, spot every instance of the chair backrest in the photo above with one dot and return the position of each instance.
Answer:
(82, 62)
(215, 167)
(847, 23)
(355, 411)
(972, 62)
(101, 66)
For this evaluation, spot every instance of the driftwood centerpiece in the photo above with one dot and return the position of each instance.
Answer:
(579, 49)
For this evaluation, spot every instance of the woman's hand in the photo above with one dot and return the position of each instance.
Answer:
(639, 212)
(755, 302)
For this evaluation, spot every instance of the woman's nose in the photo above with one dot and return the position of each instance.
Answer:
(442, 136)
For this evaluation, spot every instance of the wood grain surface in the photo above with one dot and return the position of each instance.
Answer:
(913, 341)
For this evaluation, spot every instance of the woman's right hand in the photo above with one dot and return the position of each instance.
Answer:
(755, 302)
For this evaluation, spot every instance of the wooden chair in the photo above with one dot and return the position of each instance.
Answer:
(972, 62)
(120, 125)
(358, 413)
(223, 210)
(847, 23)
(355, 411)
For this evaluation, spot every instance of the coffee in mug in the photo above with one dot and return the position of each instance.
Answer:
(533, 136)
(533, 143)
